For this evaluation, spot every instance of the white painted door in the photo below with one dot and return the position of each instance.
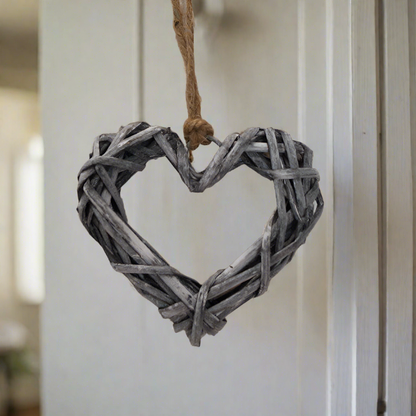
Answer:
(261, 65)
(310, 346)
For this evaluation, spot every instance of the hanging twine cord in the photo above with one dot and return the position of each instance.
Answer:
(195, 129)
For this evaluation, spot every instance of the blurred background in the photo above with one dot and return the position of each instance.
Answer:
(21, 222)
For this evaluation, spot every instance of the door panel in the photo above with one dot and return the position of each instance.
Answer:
(252, 71)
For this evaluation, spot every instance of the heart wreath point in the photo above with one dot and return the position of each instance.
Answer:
(194, 308)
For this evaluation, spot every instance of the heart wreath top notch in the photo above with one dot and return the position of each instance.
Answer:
(194, 308)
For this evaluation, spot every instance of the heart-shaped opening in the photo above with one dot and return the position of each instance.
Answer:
(198, 233)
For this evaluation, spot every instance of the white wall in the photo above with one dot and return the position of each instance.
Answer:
(106, 350)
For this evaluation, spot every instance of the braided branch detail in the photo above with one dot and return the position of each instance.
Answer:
(194, 308)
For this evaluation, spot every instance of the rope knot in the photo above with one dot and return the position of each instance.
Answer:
(195, 128)
(196, 131)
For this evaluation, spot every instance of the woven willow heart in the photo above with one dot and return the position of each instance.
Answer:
(199, 309)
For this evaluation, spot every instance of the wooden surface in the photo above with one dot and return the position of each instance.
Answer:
(246, 33)
(365, 205)
(314, 263)
(412, 62)
(342, 327)
(398, 208)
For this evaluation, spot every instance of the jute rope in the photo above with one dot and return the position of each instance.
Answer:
(195, 128)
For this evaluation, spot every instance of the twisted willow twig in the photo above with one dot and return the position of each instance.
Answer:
(194, 308)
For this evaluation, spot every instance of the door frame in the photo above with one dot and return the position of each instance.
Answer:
(372, 286)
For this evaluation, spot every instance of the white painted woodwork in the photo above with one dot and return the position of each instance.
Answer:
(314, 260)
(365, 206)
(342, 300)
(355, 313)
(412, 61)
(243, 82)
(398, 208)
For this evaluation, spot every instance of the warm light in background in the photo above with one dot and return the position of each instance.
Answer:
(28, 204)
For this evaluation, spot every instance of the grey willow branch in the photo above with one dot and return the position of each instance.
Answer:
(194, 308)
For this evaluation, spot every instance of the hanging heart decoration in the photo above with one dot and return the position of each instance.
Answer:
(199, 309)
(194, 308)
